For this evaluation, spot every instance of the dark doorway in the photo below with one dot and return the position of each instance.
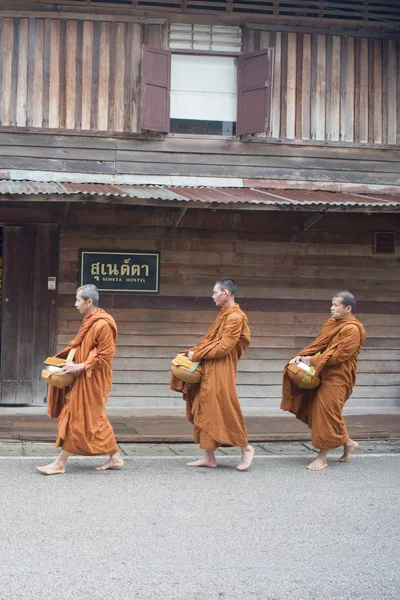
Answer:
(29, 311)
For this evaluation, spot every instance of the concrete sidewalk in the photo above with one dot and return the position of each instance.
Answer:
(32, 424)
(142, 450)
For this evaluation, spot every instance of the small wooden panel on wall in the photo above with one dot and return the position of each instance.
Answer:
(333, 88)
(70, 74)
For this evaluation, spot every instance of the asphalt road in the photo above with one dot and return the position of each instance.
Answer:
(159, 530)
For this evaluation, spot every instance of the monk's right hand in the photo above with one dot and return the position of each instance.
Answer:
(295, 360)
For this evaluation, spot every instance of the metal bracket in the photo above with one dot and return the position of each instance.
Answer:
(312, 220)
(179, 216)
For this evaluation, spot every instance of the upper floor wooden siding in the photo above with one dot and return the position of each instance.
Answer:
(360, 12)
(84, 75)
(332, 87)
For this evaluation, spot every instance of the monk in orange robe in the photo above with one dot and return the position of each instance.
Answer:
(83, 427)
(334, 355)
(213, 405)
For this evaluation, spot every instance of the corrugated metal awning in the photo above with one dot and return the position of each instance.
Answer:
(217, 196)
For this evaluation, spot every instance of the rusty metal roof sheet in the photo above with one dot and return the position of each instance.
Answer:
(205, 195)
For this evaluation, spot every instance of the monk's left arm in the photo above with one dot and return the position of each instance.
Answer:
(104, 349)
(226, 343)
(349, 343)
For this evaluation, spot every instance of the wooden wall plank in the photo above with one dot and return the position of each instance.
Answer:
(335, 91)
(119, 82)
(321, 88)
(46, 71)
(95, 75)
(385, 89)
(349, 95)
(276, 94)
(299, 85)
(14, 72)
(104, 76)
(2, 53)
(31, 71)
(284, 82)
(377, 75)
(112, 78)
(363, 126)
(22, 86)
(291, 86)
(306, 89)
(8, 43)
(54, 82)
(70, 90)
(63, 75)
(38, 74)
(392, 86)
(78, 73)
(134, 93)
(87, 68)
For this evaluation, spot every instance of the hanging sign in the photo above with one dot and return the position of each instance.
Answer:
(133, 272)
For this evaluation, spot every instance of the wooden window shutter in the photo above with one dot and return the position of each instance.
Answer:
(254, 92)
(156, 83)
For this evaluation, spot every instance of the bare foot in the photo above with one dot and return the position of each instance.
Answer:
(203, 462)
(247, 458)
(319, 464)
(52, 469)
(115, 462)
(349, 447)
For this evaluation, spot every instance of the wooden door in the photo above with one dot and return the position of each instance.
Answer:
(29, 311)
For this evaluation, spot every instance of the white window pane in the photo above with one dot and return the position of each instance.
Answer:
(203, 88)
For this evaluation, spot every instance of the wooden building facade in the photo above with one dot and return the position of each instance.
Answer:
(281, 169)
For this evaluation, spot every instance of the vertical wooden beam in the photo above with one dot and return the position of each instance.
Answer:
(46, 72)
(128, 88)
(335, 90)
(135, 66)
(349, 127)
(314, 83)
(299, 85)
(371, 93)
(392, 86)
(95, 76)
(70, 74)
(104, 77)
(291, 86)
(78, 71)
(385, 90)
(54, 83)
(22, 89)
(31, 70)
(364, 95)
(120, 77)
(357, 66)
(378, 91)
(111, 95)
(63, 74)
(276, 93)
(321, 88)
(343, 87)
(87, 67)
(14, 72)
(284, 73)
(306, 88)
(38, 74)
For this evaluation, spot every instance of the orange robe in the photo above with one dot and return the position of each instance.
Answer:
(339, 343)
(83, 427)
(213, 405)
